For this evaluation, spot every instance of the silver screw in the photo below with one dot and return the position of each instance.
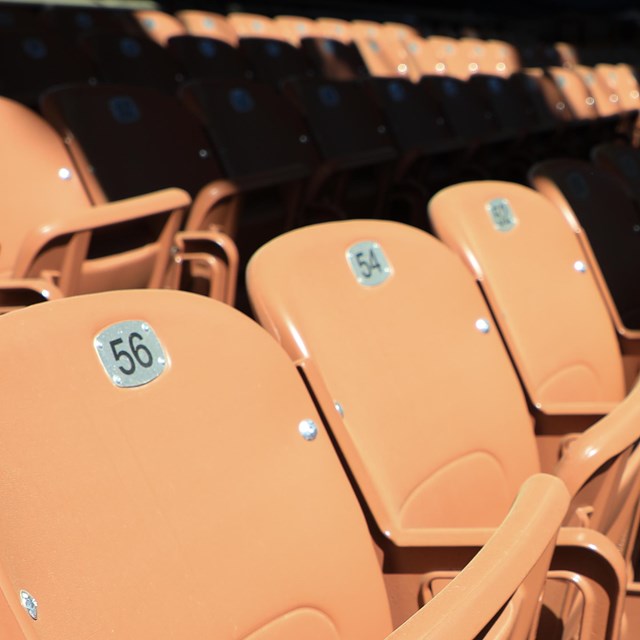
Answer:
(580, 266)
(339, 409)
(64, 174)
(203, 153)
(29, 603)
(308, 430)
(483, 325)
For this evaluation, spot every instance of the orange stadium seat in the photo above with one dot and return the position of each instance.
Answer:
(159, 26)
(33, 61)
(57, 218)
(520, 248)
(607, 222)
(136, 508)
(205, 57)
(260, 138)
(165, 145)
(353, 142)
(134, 60)
(208, 25)
(382, 363)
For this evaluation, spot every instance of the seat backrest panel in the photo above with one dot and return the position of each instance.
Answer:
(164, 510)
(551, 314)
(609, 218)
(408, 366)
(131, 140)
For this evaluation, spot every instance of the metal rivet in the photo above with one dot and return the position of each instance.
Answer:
(560, 106)
(636, 228)
(580, 266)
(64, 174)
(29, 603)
(339, 409)
(117, 379)
(308, 429)
(501, 66)
(590, 101)
(203, 153)
(440, 67)
(614, 98)
(304, 139)
(635, 95)
(483, 325)
(473, 67)
(402, 68)
(382, 129)
(387, 533)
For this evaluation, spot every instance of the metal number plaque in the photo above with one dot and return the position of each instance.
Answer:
(368, 263)
(501, 214)
(130, 353)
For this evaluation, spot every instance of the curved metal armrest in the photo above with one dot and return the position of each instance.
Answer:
(523, 541)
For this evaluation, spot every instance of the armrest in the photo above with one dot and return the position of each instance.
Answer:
(208, 212)
(569, 417)
(593, 563)
(522, 543)
(616, 432)
(87, 219)
(209, 259)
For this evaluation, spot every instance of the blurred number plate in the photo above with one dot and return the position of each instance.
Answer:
(130, 353)
(368, 263)
(501, 214)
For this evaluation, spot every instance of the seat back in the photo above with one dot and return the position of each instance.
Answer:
(622, 81)
(159, 26)
(208, 25)
(133, 60)
(577, 95)
(274, 59)
(294, 28)
(598, 91)
(205, 57)
(258, 135)
(415, 122)
(39, 60)
(334, 59)
(535, 275)
(384, 53)
(431, 439)
(129, 140)
(599, 205)
(345, 123)
(177, 516)
(31, 154)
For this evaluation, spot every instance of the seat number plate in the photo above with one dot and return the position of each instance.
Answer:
(130, 353)
(368, 263)
(501, 214)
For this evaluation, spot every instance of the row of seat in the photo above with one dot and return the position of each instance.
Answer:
(143, 511)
